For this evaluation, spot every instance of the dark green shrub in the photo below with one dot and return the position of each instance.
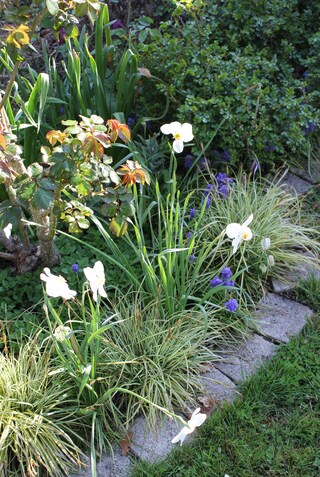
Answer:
(244, 62)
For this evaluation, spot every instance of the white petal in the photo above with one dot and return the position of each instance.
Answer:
(235, 243)
(198, 420)
(186, 132)
(175, 127)
(89, 273)
(177, 145)
(98, 268)
(102, 292)
(248, 221)
(7, 231)
(165, 129)
(265, 243)
(180, 437)
(233, 230)
(246, 234)
(46, 275)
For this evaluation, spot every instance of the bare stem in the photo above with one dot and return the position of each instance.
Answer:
(7, 256)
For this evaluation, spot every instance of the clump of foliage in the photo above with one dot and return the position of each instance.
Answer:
(74, 169)
(246, 65)
(37, 421)
(279, 236)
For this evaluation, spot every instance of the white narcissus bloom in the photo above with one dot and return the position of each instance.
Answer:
(56, 286)
(96, 279)
(239, 232)
(61, 332)
(181, 132)
(196, 420)
(265, 243)
(270, 261)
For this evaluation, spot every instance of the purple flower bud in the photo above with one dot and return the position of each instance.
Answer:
(310, 128)
(208, 202)
(224, 191)
(254, 167)
(269, 147)
(192, 213)
(117, 24)
(192, 258)
(215, 282)
(75, 268)
(221, 178)
(231, 305)
(204, 164)
(226, 273)
(189, 235)
(131, 122)
(188, 160)
(229, 283)
(62, 36)
(226, 156)
(208, 190)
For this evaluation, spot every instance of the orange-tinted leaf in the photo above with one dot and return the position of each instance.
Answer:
(90, 145)
(55, 136)
(18, 36)
(5, 170)
(125, 443)
(145, 72)
(124, 133)
(3, 142)
(103, 139)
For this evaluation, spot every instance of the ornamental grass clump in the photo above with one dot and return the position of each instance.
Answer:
(158, 358)
(37, 420)
(83, 343)
(263, 235)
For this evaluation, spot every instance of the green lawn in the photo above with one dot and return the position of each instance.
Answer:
(273, 430)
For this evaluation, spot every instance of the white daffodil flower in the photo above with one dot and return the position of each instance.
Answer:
(270, 261)
(181, 133)
(96, 279)
(265, 243)
(56, 286)
(196, 420)
(61, 332)
(7, 231)
(239, 232)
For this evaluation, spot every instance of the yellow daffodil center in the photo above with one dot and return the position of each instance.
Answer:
(177, 136)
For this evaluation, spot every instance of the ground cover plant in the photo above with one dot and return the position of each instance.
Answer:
(273, 429)
(37, 422)
(240, 62)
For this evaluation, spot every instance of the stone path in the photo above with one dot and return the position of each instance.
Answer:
(277, 319)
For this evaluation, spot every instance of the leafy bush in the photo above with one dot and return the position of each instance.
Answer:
(245, 64)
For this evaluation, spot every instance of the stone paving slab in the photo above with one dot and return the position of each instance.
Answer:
(151, 445)
(245, 359)
(313, 177)
(117, 465)
(301, 272)
(280, 318)
(294, 184)
(218, 386)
